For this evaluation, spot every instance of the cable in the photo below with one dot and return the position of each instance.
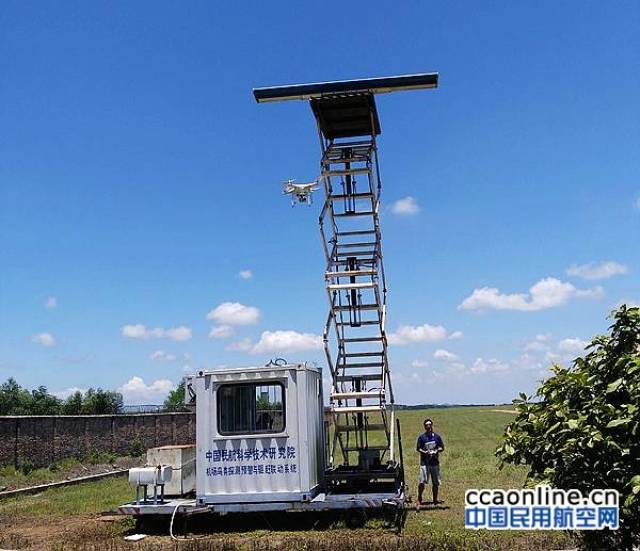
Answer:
(277, 362)
(185, 537)
(173, 516)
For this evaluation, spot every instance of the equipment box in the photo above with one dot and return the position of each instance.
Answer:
(182, 460)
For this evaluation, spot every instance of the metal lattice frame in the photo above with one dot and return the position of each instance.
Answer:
(361, 398)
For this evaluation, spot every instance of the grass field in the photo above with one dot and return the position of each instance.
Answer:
(71, 467)
(68, 517)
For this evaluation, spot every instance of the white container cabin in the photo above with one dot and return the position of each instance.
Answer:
(259, 434)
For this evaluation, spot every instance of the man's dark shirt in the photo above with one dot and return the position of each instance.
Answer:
(426, 459)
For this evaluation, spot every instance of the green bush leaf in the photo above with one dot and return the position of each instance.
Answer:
(618, 422)
(614, 386)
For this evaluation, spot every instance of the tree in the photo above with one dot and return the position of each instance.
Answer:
(14, 400)
(73, 404)
(264, 403)
(43, 403)
(100, 402)
(175, 399)
(581, 430)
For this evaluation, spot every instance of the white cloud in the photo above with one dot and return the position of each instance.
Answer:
(444, 355)
(65, 393)
(637, 202)
(221, 332)
(543, 351)
(536, 346)
(181, 333)
(186, 359)
(139, 331)
(162, 356)
(539, 344)
(546, 293)
(456, 367)
(243, 345)
(407, 334)
(456, 371)
(529, 362)
(51, 303)
(405, 206)
(245, 274)
(44, 339)
(456, 335)
(135, 390)
(419, 364)
(286, 341)
(234, 313)
(572, 345)
(597, 270)
(488, 366)
(552, 356)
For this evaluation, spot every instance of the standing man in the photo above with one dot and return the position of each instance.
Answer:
(429, 446)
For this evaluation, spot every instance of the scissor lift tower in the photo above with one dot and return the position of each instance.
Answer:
(361, 453)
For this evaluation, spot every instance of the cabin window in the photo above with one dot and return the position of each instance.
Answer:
(254, 408)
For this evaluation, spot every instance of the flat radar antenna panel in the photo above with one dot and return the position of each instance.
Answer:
(355, 341)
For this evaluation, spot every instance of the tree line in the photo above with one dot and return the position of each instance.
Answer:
(16, 400)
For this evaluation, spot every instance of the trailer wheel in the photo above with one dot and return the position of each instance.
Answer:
(401, 519)
(389, 515)
(355, 518)
(150, 523)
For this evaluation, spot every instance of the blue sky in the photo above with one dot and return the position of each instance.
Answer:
(138, 178)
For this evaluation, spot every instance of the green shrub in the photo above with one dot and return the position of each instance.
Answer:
(9, 471)
(137, 448)
(582, 428)
(98, 458)
(64, 464)
(42, 473)
(27, 467)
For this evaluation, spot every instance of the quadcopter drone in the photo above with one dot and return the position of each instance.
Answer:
(302, 193)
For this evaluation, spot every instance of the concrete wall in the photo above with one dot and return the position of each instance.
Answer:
(42, 440)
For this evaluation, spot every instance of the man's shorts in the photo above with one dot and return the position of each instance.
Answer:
(430, 472)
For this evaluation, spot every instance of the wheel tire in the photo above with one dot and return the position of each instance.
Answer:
(355, 518)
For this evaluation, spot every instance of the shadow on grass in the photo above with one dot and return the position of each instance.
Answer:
(432, 507)
(252, 523)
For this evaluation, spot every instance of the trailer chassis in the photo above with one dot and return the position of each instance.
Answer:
(355, 506)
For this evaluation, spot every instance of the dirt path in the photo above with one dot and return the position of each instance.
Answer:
(48, 532)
